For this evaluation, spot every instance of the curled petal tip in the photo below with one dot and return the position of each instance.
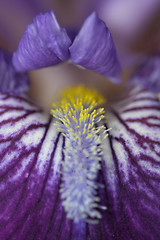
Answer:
(93, 48)
(43, 44)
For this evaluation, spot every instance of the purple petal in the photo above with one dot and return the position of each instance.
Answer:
(93, 48)
(10, 80)
(148, 74)
(30, 156)
(31, 152)
(131, 169)
(43, 44)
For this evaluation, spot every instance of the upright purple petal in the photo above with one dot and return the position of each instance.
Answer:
(93, 48)
(43, 44)
(148, 74)
(10, 80)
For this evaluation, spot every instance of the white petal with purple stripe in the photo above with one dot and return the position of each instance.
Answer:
(30, 152)
(131, 167)
(30, 157)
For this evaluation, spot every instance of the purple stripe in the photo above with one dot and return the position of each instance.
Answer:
(31, 207)
(25, 220)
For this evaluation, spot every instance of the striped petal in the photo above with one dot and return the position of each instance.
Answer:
(10, 80)
(31, 152)
(43, 44)
(130, 174)
(148, 74)
(30, 156)
(131, 169)
(93, 48)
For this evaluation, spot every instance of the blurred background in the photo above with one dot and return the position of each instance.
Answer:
(134, 24)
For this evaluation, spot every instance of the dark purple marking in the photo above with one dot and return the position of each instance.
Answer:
(30, 202)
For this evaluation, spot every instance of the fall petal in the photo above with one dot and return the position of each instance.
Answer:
(30, 156)
(129, 178)
(131, 169)
(43, 44)
(93, 48)
(10, 80)
(31, 151)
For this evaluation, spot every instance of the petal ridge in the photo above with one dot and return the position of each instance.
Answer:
(93, 48)
(44, 43)
(133, 174)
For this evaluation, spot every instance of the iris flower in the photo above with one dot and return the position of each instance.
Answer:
(89, 171)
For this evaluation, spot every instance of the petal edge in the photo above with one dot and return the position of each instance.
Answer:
(99, 54)
(43, 44)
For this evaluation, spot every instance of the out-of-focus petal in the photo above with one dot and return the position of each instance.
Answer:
(30, 157)
(148, 74)
(43, 44)
(93, 48)
(10, 80)
(131, 170)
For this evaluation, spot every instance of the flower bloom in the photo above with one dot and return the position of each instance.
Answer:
(39, 156)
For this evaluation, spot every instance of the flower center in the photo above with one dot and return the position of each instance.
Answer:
(78, 119)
